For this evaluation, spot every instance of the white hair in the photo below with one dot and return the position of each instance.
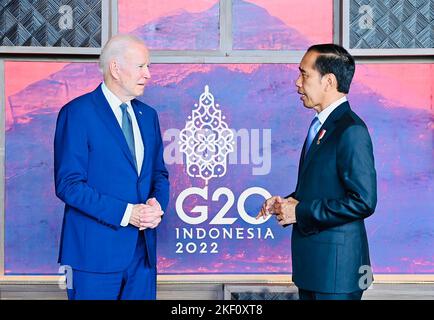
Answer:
(115, 48)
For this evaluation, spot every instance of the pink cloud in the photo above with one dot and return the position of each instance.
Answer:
(402, 85)
(19, 75)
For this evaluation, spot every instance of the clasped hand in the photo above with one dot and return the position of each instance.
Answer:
(146, 215)
(283, 209)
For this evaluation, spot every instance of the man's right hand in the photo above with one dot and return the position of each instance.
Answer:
(267, 207)
(145, 216)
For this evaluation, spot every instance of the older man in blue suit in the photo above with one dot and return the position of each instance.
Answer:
(110, 172)
(336, 188)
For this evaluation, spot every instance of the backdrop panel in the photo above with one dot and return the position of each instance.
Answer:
(172, 25)
(402, 24)
(281, 24)
(51, 23)
(256, 128)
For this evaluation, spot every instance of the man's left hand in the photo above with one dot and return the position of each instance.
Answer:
(153, 213)
(285, 210)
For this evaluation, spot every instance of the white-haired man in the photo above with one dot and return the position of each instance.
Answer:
(109, 172)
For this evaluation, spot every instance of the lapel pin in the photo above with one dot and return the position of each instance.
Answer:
(140, 112)
(321, 135)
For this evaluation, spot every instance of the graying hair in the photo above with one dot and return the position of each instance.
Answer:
(115, 48)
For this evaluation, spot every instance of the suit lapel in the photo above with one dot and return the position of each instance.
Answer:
(300, 163)
(329, 126)
(106, 114)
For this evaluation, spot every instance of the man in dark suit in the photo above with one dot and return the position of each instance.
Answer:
(109, 171)
(336, 188)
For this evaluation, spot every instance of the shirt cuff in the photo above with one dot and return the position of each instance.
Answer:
(127, 215)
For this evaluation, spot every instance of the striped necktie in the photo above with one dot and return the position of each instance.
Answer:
(313, 130)
(127, 129)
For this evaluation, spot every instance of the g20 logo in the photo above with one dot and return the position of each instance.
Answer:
(219, 218)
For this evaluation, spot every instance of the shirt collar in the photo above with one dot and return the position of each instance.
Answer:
(112, 99)
(323, 115)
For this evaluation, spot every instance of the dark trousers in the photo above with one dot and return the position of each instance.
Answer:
(312, 295)
(137, 282)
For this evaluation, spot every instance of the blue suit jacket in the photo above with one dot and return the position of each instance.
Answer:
(337, 190)
(96, 178)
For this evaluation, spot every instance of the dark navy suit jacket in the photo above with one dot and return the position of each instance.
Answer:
(337, 190)
(96, 178)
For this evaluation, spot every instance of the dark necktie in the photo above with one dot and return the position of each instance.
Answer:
(127, 129)
(313, 130)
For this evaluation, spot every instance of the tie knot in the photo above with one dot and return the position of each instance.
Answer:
(123, 106)
(314, 122)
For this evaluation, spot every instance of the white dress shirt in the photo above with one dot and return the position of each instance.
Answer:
(115, 103)
(323, 115)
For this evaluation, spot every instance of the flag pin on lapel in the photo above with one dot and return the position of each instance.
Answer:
(321, 135)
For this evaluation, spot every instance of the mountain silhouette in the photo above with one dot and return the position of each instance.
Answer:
(253, 28)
